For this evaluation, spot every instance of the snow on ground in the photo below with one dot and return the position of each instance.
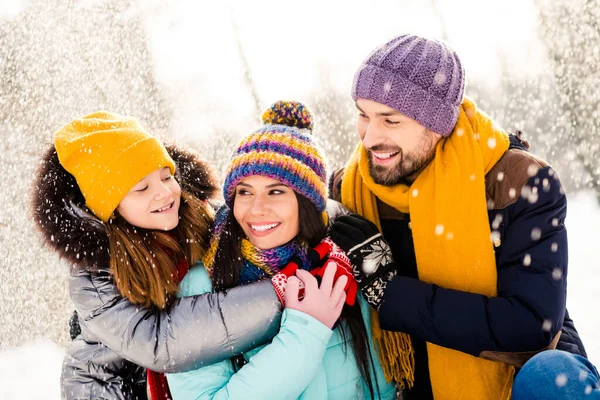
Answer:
(583, 296)
(32, 371)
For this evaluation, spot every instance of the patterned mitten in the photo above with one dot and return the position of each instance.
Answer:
(344, 267)
(371, 257)
(279, 280)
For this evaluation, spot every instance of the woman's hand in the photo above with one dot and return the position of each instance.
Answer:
(324, 302)
(344, 267)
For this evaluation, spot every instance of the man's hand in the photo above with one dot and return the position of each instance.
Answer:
(371, 256)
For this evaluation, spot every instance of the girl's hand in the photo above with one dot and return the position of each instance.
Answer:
(324, 302)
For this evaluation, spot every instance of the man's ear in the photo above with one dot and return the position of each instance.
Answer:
(436, 135)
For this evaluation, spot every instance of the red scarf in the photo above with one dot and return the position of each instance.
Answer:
(157, 381)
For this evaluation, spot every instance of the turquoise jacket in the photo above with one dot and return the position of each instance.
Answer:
(306, 360)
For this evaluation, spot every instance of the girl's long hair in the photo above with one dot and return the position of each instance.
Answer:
(228, 264)
(144, 262)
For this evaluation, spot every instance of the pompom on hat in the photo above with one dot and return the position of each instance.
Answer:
(282, 149)
(108, 154)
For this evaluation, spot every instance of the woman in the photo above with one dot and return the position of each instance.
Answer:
(131, 216)
(275, 193)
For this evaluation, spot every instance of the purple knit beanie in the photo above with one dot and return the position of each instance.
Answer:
(422, 78)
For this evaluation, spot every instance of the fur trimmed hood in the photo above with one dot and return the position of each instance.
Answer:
(68, 226)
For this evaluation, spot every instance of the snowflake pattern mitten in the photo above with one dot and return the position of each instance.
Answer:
(371, 257)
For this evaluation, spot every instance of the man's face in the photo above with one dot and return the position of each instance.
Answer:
(399, 148)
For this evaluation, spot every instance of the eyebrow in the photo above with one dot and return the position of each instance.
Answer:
(381, 114)
(272, 185)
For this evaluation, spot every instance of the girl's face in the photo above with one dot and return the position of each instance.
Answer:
(153, 203)
(267, 211)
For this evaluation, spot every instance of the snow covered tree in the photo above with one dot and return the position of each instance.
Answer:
(60, 59)
(571, 32)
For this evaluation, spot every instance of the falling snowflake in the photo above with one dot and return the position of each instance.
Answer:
(561, 380)
(439, 78)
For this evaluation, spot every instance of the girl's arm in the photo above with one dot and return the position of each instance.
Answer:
(193, 331)
(93, 371)
(280, 370)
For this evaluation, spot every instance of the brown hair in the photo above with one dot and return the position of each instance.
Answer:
(144, 262)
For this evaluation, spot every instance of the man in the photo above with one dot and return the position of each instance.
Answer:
(475, 226)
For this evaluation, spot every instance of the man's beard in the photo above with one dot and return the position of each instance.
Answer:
(406, 166)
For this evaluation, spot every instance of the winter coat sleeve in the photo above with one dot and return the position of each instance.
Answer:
(193, 331)
(280, 370)
(93, 371)
(529, 309)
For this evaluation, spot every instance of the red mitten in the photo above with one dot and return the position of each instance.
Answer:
(351, 287)
(279, 280)
(344, 268)
(323, 248)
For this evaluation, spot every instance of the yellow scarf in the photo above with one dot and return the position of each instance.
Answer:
(453, 247)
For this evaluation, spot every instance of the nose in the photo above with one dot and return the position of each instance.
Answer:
(373, 135)
(163, 191)
(259, 206)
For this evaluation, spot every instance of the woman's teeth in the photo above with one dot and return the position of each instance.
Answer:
(164, 208)
(262, 228)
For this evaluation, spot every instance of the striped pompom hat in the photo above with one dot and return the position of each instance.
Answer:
(282, 149)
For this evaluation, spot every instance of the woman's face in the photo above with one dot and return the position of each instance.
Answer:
(153, 203)
(267, 211)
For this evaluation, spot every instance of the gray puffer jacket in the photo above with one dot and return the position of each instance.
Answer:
(118, 339)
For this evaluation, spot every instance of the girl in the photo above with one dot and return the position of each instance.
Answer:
(275, 193)
(131, 216)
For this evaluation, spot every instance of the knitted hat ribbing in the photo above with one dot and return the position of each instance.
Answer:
(422, 78)
(108, 154)
(283, 149)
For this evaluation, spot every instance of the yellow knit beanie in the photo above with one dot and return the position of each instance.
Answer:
(108, 154)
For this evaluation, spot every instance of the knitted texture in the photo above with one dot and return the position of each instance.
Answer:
(288, 113)
(286, 153)
(447, 197)
(108, 154)
(422, 78)
(260, 264)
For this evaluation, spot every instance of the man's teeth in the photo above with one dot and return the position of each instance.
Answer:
(262, 228)
(384, 156)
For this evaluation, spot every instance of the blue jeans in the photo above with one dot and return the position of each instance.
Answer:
(556, 374)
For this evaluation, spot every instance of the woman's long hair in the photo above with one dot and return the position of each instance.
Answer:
(144, 262)
(229, 262)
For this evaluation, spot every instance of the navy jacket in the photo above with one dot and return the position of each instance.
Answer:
(526, 208)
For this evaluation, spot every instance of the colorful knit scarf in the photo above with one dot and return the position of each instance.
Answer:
(258, 264)
(452, 238)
